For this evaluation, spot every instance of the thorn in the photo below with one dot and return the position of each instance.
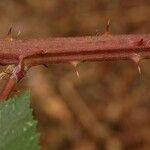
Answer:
(77, 73)
(9, 35)
(45, 65)
(108, 26)
(10, 31)
(136, 59)
(139, 68)
(19, 32)
(141, 42)
(75, 64)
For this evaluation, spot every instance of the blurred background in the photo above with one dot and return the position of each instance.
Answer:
(108, 108)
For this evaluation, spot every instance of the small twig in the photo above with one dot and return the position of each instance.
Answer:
(17, 74)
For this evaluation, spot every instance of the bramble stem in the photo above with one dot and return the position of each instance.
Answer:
(56, 50)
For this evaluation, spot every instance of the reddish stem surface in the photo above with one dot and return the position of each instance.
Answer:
(56, 50)
(33, 52)
(8, 89)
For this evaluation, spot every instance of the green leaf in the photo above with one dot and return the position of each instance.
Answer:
(17, 127)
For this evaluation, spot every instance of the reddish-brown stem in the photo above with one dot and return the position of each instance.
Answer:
(56, 50)
(8, 89)
(17, 74)
(33, 52)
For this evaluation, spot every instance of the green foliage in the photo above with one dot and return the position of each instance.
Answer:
(17, 127)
